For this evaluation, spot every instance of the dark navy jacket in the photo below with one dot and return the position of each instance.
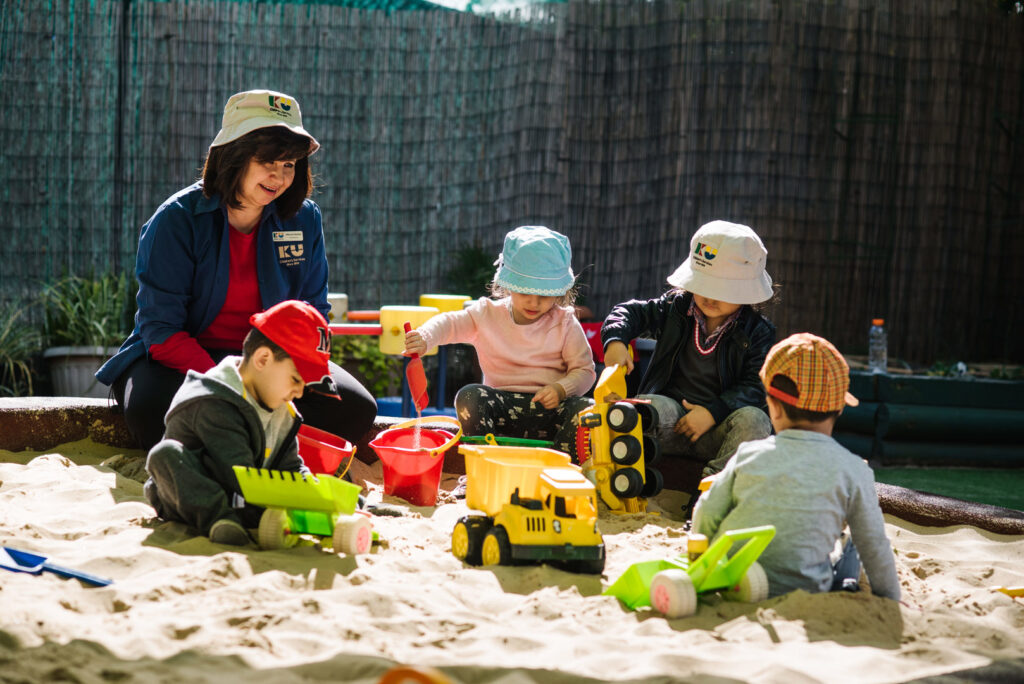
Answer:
(183, 263)
(741, 352)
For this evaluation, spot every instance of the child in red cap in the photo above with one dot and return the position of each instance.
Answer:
(803, 482)
(239, 412)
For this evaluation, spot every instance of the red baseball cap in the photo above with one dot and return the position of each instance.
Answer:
(303, 332)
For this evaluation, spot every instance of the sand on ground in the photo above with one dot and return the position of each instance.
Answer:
(184, 609)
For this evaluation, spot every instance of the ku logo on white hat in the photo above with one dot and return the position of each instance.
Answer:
(726, 263)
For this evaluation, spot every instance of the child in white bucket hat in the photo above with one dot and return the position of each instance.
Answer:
(535, 358)
(703, 375)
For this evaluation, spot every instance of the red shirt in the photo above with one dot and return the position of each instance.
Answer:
(184, 352)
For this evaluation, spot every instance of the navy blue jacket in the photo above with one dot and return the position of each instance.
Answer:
(741, 352)
(183, 264)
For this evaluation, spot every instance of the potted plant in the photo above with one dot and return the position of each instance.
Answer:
(85, 321)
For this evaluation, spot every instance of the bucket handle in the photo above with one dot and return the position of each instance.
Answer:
(435, 419)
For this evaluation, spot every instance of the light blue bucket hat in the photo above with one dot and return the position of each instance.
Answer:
(535, 260)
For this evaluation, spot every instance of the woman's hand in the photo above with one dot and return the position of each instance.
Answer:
(549, 396)
(617, 354)
(414, 343)
(695, 423)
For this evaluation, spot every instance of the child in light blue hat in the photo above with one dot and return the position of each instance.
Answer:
(535, 358)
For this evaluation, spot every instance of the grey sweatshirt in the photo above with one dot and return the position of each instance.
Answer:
(809, 487)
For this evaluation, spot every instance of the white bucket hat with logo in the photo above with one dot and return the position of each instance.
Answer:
(727, 263)
(248, 111)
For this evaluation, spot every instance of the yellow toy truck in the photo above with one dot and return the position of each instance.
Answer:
(615, 446)
(527, 505)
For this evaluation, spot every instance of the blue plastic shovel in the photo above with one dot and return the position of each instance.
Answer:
(23, 561)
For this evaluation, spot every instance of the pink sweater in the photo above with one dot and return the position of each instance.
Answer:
(519, 358)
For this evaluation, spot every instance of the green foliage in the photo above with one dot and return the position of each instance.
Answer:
(89, 312)
(1007, 373)
(472, 272)
(18, 344)
(380, 373)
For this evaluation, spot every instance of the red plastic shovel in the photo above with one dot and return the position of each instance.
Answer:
(416, 378)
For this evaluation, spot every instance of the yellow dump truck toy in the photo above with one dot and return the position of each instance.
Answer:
(615, 445)
(528, 505)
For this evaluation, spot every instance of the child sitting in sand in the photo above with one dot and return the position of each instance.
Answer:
(803, 482)
(534, 355)
(239, 412)
(702, 379)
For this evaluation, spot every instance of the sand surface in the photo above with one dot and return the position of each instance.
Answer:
(184, 609)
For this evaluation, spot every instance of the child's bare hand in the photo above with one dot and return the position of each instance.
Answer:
(414, 343)
(549, 396)
(617, 354)
(695, 423)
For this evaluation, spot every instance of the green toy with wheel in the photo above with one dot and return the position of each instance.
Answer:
(671, 586)
(322, 506)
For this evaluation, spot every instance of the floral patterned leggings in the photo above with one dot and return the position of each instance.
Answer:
(482, 410)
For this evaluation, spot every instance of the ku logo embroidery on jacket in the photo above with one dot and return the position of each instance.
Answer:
(285, 252)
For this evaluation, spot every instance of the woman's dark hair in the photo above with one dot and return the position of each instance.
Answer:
(255, 339)
(785, 384)
(226, 165)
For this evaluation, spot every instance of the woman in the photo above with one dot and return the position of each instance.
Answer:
(235, 243)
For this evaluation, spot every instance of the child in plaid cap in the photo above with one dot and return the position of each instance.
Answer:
(803, 482)
(240, 412)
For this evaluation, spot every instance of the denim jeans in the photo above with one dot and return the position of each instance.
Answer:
(716, 446)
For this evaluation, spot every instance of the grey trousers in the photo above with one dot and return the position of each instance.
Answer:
(716, 446)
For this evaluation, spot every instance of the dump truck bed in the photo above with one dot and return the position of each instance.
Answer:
(494, 472)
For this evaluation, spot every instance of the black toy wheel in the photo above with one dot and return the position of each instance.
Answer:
(496, 548)
(622, 417)
(648, 417)
(468, 538)
(652, 450)
(653, 482)
(627, 483)
(625, 450)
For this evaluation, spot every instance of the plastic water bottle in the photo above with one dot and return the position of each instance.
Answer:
(877, 343)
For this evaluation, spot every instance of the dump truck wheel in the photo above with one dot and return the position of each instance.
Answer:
(672, 594)
(353, 535)
(652, 450)
(496, 548)
(468, 539)
(275, 530)
(648, 417)
(653, 482)
(622, 417)
(625, 450)
(752, 587)
(627, 483)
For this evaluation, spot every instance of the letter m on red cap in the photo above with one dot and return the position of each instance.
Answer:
(325, 340)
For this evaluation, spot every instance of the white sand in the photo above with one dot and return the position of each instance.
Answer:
(184, 609)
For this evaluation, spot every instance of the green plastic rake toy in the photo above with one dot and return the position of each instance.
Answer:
(321, 505)
(671, 586)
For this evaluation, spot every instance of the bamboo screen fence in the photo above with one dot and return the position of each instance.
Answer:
(877, 147)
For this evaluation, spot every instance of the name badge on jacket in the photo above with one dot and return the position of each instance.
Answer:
(288, 244)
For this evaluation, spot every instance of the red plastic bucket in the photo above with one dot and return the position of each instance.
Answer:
(322, 451)
(410, 473)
